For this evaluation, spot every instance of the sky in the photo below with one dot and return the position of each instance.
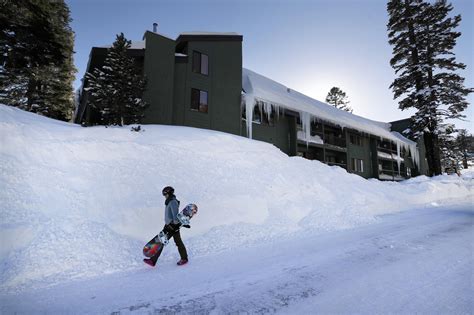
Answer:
(307, 45)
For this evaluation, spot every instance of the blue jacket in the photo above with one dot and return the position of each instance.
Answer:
(171, 210)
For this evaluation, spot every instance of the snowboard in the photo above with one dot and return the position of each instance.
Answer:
(157, 243)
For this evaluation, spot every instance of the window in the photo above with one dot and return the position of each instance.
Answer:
(256, 116)
(260, 115)
(316, 129)
(330, 159)
(200, 63)
(357, 165)
(199, 100)
(355, 139)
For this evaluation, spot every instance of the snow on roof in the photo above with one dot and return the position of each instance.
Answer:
(260, 88)
(273, 94)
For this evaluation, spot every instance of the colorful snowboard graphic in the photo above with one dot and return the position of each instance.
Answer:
(157, 243)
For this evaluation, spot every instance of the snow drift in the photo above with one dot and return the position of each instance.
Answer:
(79, 202)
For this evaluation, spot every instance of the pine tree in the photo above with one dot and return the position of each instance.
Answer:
(449, 151)
(463, 145)
(36, 47)
(422, 36)
(58, 86)
(117, 87)
(338, 99)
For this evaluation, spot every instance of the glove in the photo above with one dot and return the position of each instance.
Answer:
(187, 226)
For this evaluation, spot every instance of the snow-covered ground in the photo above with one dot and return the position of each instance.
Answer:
(415, 262)
(273, 233)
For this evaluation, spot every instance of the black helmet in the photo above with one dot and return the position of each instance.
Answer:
(168, 190)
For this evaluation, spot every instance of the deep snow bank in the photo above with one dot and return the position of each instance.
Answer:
(78, 202)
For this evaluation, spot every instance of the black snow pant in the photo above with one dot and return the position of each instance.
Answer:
(179, 243)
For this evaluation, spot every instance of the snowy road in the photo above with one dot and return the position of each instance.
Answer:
(416, 261)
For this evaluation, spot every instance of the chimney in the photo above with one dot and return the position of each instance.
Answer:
(155, 27)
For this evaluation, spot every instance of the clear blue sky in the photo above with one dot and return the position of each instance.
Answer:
(308, 45)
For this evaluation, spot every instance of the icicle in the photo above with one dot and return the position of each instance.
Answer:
(399, 162)
(249, 106)
(415, 154)
(306, 124)
(268, 109)
(277, 109)
(260, 109)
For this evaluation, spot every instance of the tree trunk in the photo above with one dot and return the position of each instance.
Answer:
(432, 153)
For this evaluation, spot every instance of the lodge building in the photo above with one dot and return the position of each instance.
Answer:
(198, 80)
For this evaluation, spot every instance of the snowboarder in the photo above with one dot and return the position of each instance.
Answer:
(171, 226)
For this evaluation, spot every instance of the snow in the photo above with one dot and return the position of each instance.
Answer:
(261, 89)
(418, 261)
(390, 177)
(301, 135)
(78, 204)
(389, 156)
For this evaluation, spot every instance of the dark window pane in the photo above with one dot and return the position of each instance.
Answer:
(257, 117)
(196, 62)
(203, 101)
(204, 64)
(195, 99)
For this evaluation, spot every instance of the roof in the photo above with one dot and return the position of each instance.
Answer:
(259, 88)
(209, 36)
(135, 45)
(210, 33)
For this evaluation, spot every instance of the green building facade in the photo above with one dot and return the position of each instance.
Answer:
(194, 80)
(197, 80)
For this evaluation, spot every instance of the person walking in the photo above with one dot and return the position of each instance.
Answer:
(171, 227)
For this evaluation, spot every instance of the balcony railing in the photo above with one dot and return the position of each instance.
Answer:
(339, 142)
(343, 165)
(390, 175)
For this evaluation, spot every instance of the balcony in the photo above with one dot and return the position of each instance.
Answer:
(333, 140)
(389, 156)
(390, 175)
(312, 138)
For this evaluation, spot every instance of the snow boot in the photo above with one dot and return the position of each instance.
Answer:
(182, 262)
(149, 262)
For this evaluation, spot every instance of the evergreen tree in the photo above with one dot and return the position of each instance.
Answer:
(116, 89)
(449, 152)
(338, 99)
(422, 36)
(464, 143)
(36, 47)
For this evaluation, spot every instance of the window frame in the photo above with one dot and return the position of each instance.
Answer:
(199, 108)
(197, 62)
(355, 140)
(357, 165)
